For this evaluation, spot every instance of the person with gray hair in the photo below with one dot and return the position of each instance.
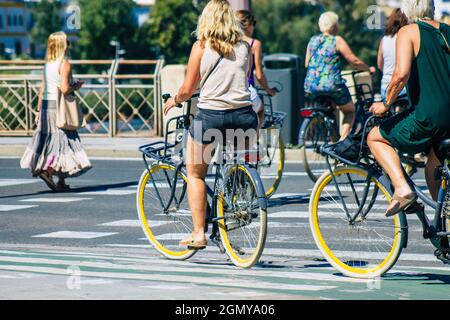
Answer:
(423, 63)
(324, 60)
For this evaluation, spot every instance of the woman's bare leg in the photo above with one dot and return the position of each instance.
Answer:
(389, 159)
(196, 187)
(349, 111)
(433, 185)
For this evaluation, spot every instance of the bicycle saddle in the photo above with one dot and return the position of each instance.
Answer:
(320, 103)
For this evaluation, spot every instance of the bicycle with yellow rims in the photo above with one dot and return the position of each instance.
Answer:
(347, 214)
(237, 210)
(271, 145)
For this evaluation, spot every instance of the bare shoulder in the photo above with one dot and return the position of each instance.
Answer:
(66, 66)
(340, 39)
(410, 31)
(198, 46)
(197, 49)
(257, 43)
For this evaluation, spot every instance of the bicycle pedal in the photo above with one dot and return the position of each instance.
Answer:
(442, 257)
(219, 244)
(415, 208)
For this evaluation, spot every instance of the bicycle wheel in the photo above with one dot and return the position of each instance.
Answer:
(315, 135)
(271, 166)
(242, 217)
(367, 247)
(165, 228)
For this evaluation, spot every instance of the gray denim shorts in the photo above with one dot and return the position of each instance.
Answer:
(210, 125)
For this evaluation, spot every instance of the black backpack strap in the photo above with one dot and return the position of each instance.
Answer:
(212, 70)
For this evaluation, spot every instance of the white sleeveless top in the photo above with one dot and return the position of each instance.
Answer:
(227, 86)
(389, 58)
(52, 80)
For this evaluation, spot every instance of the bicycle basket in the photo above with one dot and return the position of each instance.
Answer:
(348, 149)
(354, 148)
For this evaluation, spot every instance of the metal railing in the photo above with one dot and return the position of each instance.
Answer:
(119, 97)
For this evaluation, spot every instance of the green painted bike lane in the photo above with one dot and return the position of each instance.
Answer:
(296, 282)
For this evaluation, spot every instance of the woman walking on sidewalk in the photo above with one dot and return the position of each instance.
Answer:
(53, 151)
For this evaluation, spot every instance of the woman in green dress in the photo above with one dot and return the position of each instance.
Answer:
(423, 62)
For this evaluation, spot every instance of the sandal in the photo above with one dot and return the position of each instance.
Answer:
(197, 245)
(186, 242)
(399, 204)
(48, 181)
(62, 187)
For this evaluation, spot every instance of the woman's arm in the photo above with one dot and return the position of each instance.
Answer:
(380, 59)
(307, 58)
(348, 54)
(192, 78)
(41, 94)
(259, 72)
(66, 87)
(404, 59)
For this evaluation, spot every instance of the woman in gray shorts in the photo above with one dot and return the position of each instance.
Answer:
(220, 63)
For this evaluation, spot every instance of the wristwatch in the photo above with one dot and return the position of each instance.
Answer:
(388, 107)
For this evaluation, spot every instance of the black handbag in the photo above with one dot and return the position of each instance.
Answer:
(348, 149)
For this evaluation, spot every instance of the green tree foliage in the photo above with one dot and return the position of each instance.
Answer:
(171, 26)
(103, 21)
(46, 20)
(288, 25)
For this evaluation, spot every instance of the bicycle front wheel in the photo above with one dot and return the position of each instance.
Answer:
(242, 214)
(315, 135)
(365, 247)
(271, 165)
(163, 225)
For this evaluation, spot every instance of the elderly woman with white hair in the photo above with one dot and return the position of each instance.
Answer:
(423, 62)
(324, 60)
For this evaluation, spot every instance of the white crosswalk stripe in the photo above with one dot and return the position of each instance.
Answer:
(4, 207)
(75, 235)
(16, 182)
(55, 200)
(109, 192)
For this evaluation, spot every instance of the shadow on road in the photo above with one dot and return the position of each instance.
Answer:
(427, 278)
(95, 188)
(281, 201)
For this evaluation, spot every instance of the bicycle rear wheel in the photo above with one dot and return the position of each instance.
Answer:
(271, 166)
(243, 217)
(315, 135)
(165, 228)
(367, 247)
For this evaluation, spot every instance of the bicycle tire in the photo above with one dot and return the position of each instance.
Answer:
(333, 244)
(166, 247)
(312, 160)
(231, 218)
(272, 180)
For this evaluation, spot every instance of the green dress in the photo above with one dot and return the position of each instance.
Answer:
(427, 122)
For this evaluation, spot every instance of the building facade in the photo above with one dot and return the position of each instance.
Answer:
(16, 21)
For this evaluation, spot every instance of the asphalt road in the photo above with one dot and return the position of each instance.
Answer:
(84, 243)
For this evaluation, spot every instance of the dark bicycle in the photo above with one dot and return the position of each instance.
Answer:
(347, 213)
(271, 145)
(320, 125)
(237, 209)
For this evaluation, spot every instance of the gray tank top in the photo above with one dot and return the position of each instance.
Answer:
(227, 86)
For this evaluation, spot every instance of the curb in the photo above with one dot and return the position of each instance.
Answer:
(18, 150)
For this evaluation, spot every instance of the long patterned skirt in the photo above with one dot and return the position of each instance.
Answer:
(52, 147)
